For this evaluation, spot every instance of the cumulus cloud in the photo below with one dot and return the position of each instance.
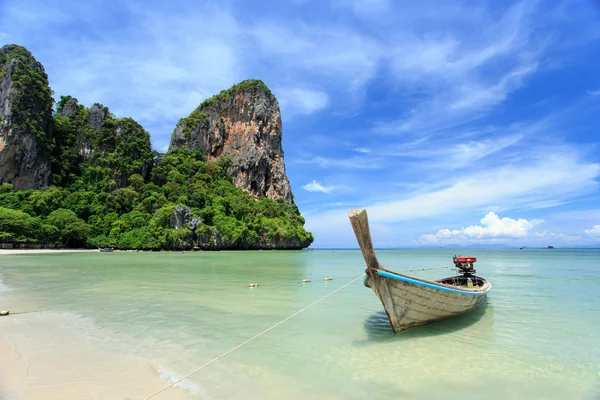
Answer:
(594, 231)
(492, 226)
(518, 186)
(315, 186)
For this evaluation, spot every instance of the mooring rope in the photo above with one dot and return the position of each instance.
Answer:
(27, 312)
(4, 313)
(254, 337)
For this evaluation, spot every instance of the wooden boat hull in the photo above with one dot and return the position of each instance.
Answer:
(411, 302)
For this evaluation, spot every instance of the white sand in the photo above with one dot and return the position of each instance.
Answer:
(45, 251)
(40, 358)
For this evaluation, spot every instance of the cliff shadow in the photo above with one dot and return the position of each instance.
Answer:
(379, 330)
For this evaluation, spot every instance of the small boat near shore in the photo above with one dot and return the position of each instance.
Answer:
(411, 301)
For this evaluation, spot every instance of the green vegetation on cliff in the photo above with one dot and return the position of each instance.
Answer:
(191, 122)
(141, 215)
(249, 85)
(32, 101)
(109, 188)
(199, 115)
(95, 150)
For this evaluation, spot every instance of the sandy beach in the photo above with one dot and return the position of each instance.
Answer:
(45, 251)
(40, 358)
(43, 357)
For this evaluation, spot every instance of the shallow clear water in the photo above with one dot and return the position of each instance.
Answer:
(538, 336)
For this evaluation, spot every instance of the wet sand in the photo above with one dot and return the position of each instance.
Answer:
(40, 358)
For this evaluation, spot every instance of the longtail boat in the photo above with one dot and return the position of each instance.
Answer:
(411, 301)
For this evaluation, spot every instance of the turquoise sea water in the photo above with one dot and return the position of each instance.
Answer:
(537, 337)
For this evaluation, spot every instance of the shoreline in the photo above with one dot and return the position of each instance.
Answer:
(65, 251)
(43, 356)
(46, 251)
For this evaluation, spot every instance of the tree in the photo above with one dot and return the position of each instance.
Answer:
(137, 181)
(72, 230)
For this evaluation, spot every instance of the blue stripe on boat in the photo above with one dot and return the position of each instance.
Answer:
(429, 285)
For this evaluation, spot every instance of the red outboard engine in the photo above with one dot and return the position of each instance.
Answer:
(464, 264)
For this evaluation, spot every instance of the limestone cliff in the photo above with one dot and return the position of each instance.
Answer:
(244, 124)
(91, 138)
(25, 117)
(108, 188)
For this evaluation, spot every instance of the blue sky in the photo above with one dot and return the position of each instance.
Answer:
(451, 122)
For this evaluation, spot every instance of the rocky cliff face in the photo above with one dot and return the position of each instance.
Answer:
(25, 117)
(86, 123)
(209, 238)
(107, 174)
(93, 137)
(242, 123)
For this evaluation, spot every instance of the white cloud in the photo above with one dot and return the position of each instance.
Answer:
(547, 177)
(479, 96)
(295, 101)
(577, 215)
(458, 76)
(315, 186)
(594, 92)
(456, 155)
(466, 153)
(368, 9)
(346, 58)
(491, 226)
(163, 61)
(156, 66)
(594, 231)
(545, 204)
(160, 62)
(348, 163)
(558, 236)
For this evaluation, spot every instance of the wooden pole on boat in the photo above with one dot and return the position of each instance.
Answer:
(360, 225)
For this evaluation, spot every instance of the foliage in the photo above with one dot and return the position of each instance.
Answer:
(139, 216)
(248, 85)
(98, 159)
(200, 116)
(109, 188)
(196, 119)
(71, 228)
(32, 103)
(19, 227)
